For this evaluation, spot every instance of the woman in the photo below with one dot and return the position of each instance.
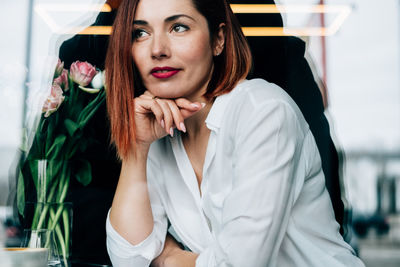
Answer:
(230, 163)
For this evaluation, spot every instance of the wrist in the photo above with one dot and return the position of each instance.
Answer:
(136, 160)
(179, 257)
(139, 151)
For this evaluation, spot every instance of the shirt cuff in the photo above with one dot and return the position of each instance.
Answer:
(119, 247)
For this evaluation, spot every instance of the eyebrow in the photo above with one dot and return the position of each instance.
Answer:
(169, 19)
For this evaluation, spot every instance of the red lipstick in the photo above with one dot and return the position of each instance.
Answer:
(164, 72)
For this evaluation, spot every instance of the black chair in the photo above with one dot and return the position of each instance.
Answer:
(280, 60)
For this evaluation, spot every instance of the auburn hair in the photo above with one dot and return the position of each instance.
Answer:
(123, 81)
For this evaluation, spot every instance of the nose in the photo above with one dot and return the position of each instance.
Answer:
(160, 47)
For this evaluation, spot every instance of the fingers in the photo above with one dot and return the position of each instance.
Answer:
(177, 116)
(166, 112)
(168, 123)
(170, 113)
(183, 103)
(187, 107)
(143, 105)
(180, 109)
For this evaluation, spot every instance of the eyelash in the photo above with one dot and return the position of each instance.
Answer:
(180, 25)
(136, 32)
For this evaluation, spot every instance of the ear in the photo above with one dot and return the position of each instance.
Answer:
(219, 40)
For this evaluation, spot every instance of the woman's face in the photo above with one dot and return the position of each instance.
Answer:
(172, 48)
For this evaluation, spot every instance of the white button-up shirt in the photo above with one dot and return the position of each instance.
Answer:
(262, 200)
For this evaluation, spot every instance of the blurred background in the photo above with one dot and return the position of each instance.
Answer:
(352, 45)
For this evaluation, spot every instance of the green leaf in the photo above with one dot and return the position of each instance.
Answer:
(84, 173)
(21, 194)
(83, 145)
(91, 109)
(33, 167)
(53, 171)
(56, 147)
(71, 126)
(89, 90)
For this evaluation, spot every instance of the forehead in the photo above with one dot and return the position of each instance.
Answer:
(161, 9)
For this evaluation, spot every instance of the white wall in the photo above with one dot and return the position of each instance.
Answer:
(364, 68)
(363, 83)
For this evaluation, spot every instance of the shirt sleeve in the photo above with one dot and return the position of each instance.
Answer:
(122, 253)
(256, 212)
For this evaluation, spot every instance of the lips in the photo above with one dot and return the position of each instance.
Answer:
(164, 72)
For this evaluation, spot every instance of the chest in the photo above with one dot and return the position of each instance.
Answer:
(195, 209)
(196, 151)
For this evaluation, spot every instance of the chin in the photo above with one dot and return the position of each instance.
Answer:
(166, 92)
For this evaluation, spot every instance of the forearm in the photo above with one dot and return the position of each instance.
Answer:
(131, 204)
(173, 256)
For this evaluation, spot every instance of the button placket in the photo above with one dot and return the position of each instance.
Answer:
(208, 221)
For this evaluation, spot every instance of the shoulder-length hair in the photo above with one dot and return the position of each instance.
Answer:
(123, 80)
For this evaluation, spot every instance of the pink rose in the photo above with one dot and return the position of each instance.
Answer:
(59, 68)
(82, 72)
(62, 80)
(53, 101)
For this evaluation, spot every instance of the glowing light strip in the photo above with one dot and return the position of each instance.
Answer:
(339, 20)
(342, 10)
(288, 8)
(75, 7)
(42, 10)
(280, 31)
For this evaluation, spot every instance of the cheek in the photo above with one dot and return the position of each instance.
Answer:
(196, 52)
(138, 59)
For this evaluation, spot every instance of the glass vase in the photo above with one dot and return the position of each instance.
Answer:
(56, 217)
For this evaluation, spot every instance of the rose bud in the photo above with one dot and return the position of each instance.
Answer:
(53, 101)
(59, 68)
(97, 81)
(82, 72)
(62, 80)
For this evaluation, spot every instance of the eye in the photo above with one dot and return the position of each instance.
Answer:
(180, 28)
(139, 33)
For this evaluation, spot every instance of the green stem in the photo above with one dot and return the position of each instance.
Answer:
(43, 211)
(47, 245)
(65, 188)
(34, 220)
(60, 238)
(61, 200)
(66, 218)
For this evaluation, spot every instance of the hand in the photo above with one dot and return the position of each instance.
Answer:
(157, 117)
(170, 244)
(180, 258)
(173, 255)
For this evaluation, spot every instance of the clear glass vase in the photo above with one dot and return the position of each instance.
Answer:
(56, 217)
(43, 238)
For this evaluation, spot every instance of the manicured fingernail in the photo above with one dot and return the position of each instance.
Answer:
(195, 105)
(183, 128)
(162, 123)
(171, 132)
(203, 105)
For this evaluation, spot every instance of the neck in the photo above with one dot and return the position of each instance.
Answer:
(195, 125)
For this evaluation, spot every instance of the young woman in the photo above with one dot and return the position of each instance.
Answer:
(230, 163)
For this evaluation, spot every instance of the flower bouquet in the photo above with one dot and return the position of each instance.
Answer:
(61, 136)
